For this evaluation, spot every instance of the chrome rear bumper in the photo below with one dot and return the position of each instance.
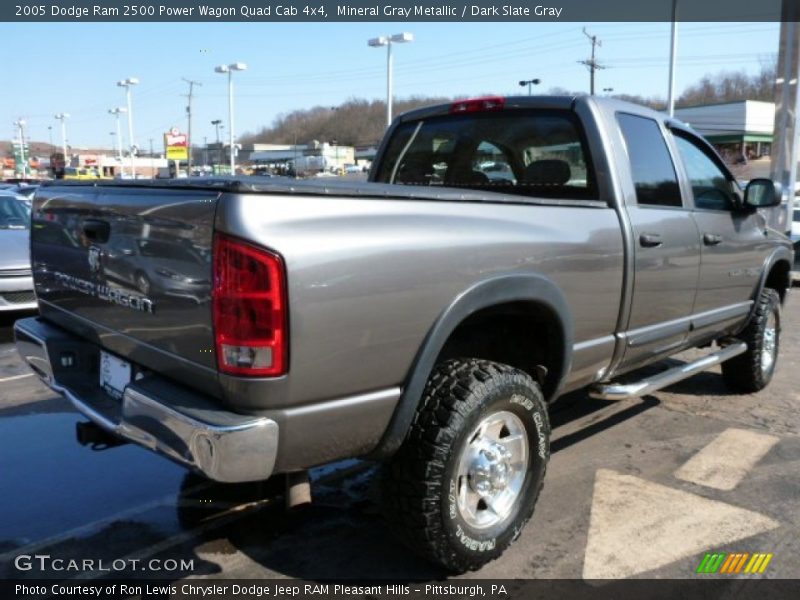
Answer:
(168, 419)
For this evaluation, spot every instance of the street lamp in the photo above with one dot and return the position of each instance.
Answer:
(127, 83)
(608, 90)
(229, 69)
(388, 41)
(529, 83)
(117, 112)
(63, 118)
(20, 123)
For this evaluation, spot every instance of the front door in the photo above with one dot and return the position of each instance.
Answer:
(732, 241)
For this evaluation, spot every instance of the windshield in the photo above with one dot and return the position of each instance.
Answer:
(14, 214)
(523, 152)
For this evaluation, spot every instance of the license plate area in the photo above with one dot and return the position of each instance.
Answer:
(115, 374)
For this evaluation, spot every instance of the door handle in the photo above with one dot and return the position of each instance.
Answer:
(650, 240)
(97, 230)
(711, 239)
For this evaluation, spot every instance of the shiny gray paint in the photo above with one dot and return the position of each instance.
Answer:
(373, 271)
(369, 278)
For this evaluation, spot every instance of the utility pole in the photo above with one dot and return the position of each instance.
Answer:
(152, 168)
(189, 117)
(592, 63)
(217, 123)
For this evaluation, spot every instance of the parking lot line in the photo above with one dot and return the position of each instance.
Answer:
(637, 526)
(724, 462)
(15, 377)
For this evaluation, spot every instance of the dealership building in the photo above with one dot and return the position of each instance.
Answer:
(734, 128)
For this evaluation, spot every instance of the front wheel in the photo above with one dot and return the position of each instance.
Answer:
(752, 371)
(464, 483)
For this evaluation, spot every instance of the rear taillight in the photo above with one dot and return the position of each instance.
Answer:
(478, 104)
(250, 321)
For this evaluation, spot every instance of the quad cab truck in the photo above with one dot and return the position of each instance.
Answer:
(504, 251)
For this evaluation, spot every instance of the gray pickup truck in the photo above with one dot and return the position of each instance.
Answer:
(504, 251)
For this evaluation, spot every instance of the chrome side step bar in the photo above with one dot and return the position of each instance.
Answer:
(620, 391)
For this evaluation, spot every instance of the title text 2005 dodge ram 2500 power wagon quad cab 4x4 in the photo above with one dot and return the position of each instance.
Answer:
(505, 251)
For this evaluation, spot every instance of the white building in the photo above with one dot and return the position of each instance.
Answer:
(734, 127)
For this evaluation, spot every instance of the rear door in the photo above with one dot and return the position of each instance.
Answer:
(128, 266)
(666, 247)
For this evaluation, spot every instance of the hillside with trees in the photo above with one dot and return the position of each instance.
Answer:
(359, 121)
(353, 123)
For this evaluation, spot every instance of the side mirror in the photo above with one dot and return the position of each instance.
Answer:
(761, 193)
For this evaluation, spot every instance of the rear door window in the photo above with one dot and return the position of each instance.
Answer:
(652, 170)
(524, 152)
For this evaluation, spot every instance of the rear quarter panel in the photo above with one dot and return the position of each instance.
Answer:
(368, 278)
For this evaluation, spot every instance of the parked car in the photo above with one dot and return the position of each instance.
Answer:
(426, 318)
(16, 282)
(181, 272)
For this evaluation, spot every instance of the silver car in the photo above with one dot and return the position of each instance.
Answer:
(16, 282)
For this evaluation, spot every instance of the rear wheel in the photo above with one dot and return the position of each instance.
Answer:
(753, 370)
(466, 480)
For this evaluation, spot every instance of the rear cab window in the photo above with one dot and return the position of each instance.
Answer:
(538, 153)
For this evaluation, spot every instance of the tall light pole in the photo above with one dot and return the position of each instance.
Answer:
(117, 112)
(388, 41)
(50, 136)
(20, 123)
(530, 83)
(127, 83)
(673, 50)
(63, 118)
(229, 69)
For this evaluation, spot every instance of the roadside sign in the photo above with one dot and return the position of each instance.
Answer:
(177, 145)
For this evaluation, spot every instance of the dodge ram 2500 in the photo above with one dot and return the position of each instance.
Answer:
(503, 252)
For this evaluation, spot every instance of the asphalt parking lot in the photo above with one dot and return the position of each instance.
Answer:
(641, 488)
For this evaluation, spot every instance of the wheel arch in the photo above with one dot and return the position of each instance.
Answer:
(777, 275)
(532, 297)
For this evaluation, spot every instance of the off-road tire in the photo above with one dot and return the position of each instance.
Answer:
(418, 483)
(744, 373)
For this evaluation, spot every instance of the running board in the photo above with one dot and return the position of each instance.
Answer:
(620, 391)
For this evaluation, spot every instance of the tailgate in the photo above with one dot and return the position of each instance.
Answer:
(131, 260)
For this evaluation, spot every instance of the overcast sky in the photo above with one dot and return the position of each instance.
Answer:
(73, 67)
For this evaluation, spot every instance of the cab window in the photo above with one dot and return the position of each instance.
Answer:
(652, 170)
(538, 153)
(711, 186)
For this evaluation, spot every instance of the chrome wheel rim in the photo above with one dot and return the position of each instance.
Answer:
(769, 344)
(492, 470)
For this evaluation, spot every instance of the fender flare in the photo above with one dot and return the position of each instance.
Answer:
(488, 293)
(779, 254)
